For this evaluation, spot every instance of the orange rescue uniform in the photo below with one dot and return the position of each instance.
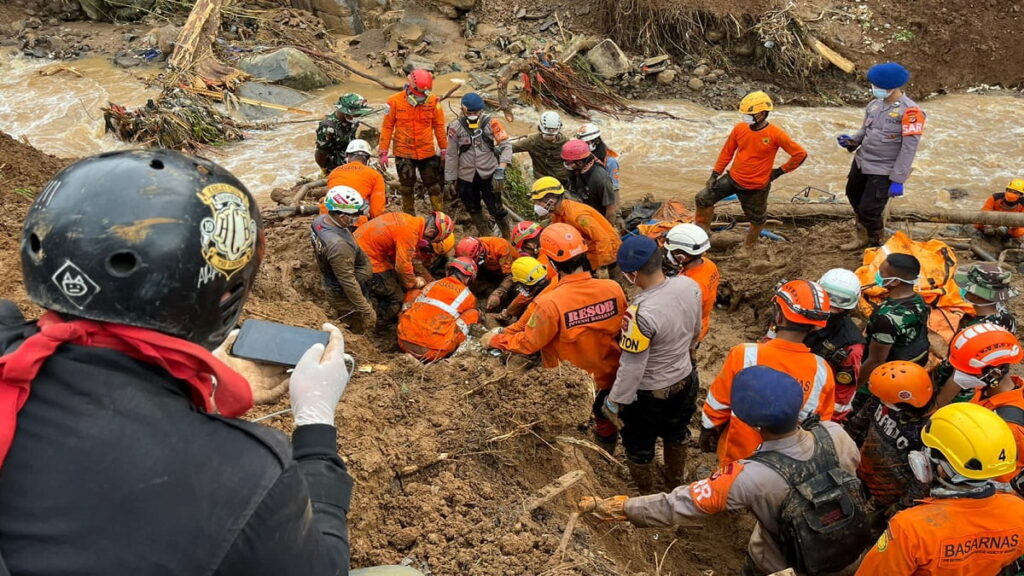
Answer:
(950, 537)
(752, 153)
(739, 440)
(1013, 398)
(995, 203)
(390, 241)
(500, 254)
(438, 319)
(530, 303)
(365, 180)
(411, 130)
(706, 276)
(578, 322)
(602, 239)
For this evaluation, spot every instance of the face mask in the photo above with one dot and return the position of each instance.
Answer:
(593, 145)
(749, 119)
(631, 280)
(921, 466)
(423, 243)
(540, 210)
(880, 93)
(570, 166)
(879, 281)
(548, 137)
(416, 100)
(967, 381)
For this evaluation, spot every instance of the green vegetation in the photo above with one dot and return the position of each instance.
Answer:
(904, 36)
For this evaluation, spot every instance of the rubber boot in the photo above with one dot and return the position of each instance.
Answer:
(750, 241)
(860, 239)
(642, 476)
(408, 199)
(483, 227)
(436, 199)
(504, 228)
(675, 465)
(703, 217)
(876, 237)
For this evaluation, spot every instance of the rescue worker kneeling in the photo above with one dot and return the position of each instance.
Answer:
(530, 279)
(967, 527)
(799, 484)
(436, 320)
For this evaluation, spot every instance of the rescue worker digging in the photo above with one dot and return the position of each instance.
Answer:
(601, 238)
(532, 278)
(777, 484)
(577, 321)
(368, 182)
(840, 342)
(749, 152)
(436, 320)
(685, 247)
(391, 241)
(589, 182)
(476, 166)
(1006, 201)
(345, 268)
(545, 148)
(799, 306)
(966, 527)
(337, 130)
(655, 391)
(526, 238)
(413, 121)
(494, 258)
(885, 147)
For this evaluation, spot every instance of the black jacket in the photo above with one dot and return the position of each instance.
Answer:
(113, 471)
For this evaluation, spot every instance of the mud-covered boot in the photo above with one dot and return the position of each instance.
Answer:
(876, 237)
(749, 241)
(675, 465)
(483, 227)
(607, 444)
(703, 217)
(504, 228)
(408, 199)
(860, 239)
(437, 202)
(642, 476)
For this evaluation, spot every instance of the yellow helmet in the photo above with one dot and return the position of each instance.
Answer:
(1016, 185)
(444, 246)
(528, 271)
(756, 102)
(976, 442)
(545, 186)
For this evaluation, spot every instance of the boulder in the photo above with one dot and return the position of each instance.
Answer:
(479, 80)
(117, 10)
(460, 4)
(608, 59)
(271, 93)
(702, 70)
(666, 77)
(288, 67)
(409, 33)
(340, 16)
(417, 62)
(695, 84)
(163, 38)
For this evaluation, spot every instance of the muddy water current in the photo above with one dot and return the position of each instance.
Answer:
(973, 143)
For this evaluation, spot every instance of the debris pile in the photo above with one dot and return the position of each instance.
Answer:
(175, 120)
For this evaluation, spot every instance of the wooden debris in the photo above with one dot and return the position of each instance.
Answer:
(831, 55)
(788, 211)
(176, 120)
(407, 470)
(58, 68)
(518, 430)
(193, 56)
(552, 490)
(568, 440)
(567, 536)
(333, 60)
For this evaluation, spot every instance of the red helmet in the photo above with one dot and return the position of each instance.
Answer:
(463, 266)
(421, 82)
(575, 150)
(472, 248)
(803, 302)
(524, 231)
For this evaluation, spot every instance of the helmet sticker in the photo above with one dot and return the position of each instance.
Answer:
(229, 233)
(75, 284)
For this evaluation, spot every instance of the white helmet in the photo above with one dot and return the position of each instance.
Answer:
(689, 238)
(588, 132)
(346, 200)
(843, 288)
(550, 123)
(359, 147)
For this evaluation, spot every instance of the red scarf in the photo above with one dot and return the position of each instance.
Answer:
(185, 361)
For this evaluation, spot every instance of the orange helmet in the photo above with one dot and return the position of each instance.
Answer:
(803, 302)
(561, 242)
(901, 382)
(983, 346)
(463, 266)
(524, 231)
(472, 248)
(444, 224)
(421, 82)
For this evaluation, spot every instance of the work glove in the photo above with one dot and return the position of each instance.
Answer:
(711, 181)
(895, 189)
(776, 173)
(369, 320)
(319, 380)
(449, 189)
(608, 509)
(847, 142)
(499, 180)
(493, 301)
(610, 409)
(485, 339)
(268, 382)
(708, 440)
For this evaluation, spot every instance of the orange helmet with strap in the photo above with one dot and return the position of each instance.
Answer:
(443, 223)
(524, 231)
(472, 248)
(803, 302)
(561, 242)
(978, 348)
(901, 382)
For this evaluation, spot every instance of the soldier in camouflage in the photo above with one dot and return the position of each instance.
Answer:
(337, 129)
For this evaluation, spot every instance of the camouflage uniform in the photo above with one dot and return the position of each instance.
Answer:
(332, 138)
(902, 324)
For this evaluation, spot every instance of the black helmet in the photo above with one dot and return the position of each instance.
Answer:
(148, 238)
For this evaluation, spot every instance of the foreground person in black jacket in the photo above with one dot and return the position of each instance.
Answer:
(119, 448)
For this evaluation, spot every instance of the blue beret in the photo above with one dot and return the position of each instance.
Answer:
(634, 252)
(888, 76)
(473, 102)
(766, 398)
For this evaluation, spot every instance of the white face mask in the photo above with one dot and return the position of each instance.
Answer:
(631, 280)
(921, 466)
(749, 119)
(593, 145)
(967, 381)
(880, 93)
(540, 210)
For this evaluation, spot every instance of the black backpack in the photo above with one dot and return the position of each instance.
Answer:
(823, 524)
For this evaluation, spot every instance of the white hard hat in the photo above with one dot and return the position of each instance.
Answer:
(588, 132)
(843, 287)
(346, 200)
(550, 122)
(359, 147)
(689, 238)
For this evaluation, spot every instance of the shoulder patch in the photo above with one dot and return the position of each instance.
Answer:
(913, 122)
(711, 495)
(883, 540)
(633, 339)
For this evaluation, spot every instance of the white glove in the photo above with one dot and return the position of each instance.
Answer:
(319, 380)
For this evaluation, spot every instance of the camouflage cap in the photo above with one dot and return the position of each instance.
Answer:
(987, 281)
(352, 104)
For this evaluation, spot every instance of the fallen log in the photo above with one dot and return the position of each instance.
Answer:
(788, 211)
(831, 55)
(552, 490)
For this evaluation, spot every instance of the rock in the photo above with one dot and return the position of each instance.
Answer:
(117, 10)
(288, 67)
(608, 59)
(743, 50)
(268, 93)
(695, 84)
(163, 38)
(53, 22)
(714, 36)
(479, 80)
(33, 23)
(409, 33)
(492, 64)
(718, 72)
(666, 77)
(460, 4)
(516, 47)
(417, 62)
(125, 60)
(341, 16)
(701, 70)
(655, 64)
(128, 37)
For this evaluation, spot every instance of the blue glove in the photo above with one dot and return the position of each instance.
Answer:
(499, 174)
(847, 142)
(611, 406)
(895, 189)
